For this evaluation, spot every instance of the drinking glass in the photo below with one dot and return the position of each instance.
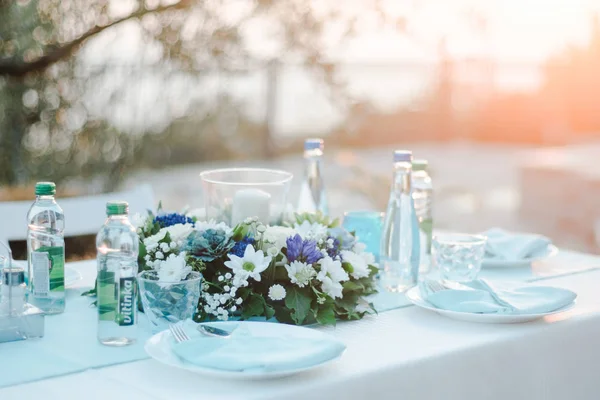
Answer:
(367, 226)
(458, 256)
(168, 302)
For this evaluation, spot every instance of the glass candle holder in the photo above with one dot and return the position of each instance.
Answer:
(233, 194)
(458, 256)
(367, 226)
(168, 302)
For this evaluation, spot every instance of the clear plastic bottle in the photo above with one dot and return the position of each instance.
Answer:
(46, 251)
(117, 245)
(400, 245)
(312, 191)
(422, 190)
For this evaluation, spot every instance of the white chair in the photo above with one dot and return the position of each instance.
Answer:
(83, 215)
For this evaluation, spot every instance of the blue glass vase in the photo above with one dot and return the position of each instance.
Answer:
(367, 226)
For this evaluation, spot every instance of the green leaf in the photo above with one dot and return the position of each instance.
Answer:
(254, 307)
(269, 311)
(352, 286)
(326, 314)
(299, 301)
(348, 267)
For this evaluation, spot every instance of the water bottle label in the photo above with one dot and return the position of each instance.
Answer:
(126, 314)
(41, 271)
(106, 294)
(48, 267)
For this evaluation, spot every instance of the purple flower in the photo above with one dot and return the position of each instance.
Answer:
(335, 250)
(302, 250)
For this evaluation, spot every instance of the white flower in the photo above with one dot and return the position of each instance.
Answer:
(276, 236)
(165, 247)
(138, 220)
(159, 255)
(173, 269)
(212, 224)
(333, 269)
(331, 275)
(179, 232)
(300, 273)
(251, 265)
(360, 268)
(198, 213)
(276, 292)
(220, 278)
(272, 251)
(152, 241)
(313, 231)
(359, 247)
(239, 301)
(332, 288)
(173, 245)
(227, 275)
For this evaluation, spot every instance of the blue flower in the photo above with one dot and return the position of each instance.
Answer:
(302, 250)
(345, 239)
(166, 220)
(209, 244)
(240, 247)
(335, 249)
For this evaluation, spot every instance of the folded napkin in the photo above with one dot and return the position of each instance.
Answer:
(481, 296)
(244, 352)
(509, 246)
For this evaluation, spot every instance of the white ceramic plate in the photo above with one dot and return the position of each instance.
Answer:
(550, 251)
(72, 276)
(159, 348)
(414, 296)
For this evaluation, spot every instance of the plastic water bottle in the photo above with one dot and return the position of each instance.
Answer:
(422, 190)
(400, 250)
(46, 251)
(312, 191)
(117, 246)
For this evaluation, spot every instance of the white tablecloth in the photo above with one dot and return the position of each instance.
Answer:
(406, 353)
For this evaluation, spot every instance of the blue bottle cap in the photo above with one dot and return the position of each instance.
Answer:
(312, 144)
(403, 156)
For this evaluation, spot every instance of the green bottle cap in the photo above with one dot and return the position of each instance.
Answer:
(45, 189)
(117, 208)
(419, 165)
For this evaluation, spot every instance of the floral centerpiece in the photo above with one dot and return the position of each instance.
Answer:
(307, 271)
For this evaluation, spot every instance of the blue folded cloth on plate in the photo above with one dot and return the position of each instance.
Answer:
(481, 296)
(504, 245)
(244, 352)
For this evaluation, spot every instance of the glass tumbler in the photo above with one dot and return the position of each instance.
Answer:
(458, 256)
(168, 302)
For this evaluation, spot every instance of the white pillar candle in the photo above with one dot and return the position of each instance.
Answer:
(250, 203)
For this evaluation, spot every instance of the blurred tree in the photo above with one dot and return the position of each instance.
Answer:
(51, 75)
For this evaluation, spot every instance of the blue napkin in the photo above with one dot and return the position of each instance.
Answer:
(503, 245)
(244, 352)
(481, 296)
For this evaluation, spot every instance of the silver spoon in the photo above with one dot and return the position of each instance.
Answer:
(212, 331)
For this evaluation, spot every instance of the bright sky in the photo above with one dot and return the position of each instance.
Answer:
(516, 30)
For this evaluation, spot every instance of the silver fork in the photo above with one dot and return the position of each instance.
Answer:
(434, 286)
(178, 333)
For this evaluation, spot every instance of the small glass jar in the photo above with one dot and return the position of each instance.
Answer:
(12, 291)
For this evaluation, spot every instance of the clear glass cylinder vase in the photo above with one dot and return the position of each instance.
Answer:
(233, 194)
